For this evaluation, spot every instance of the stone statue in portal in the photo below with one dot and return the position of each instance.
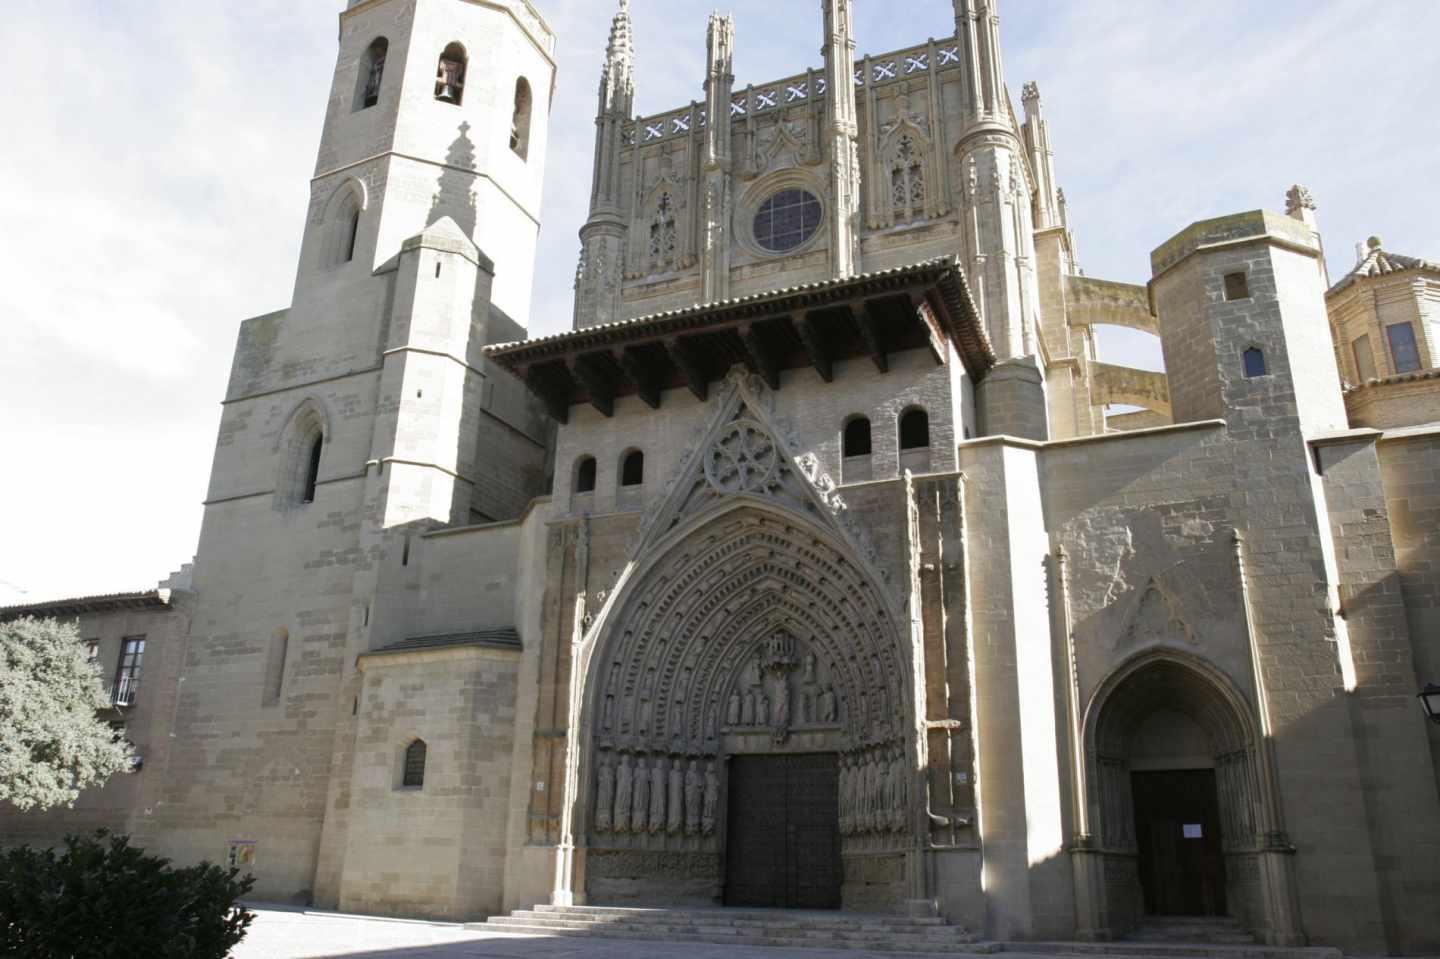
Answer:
(657, 796)
(712, 799)
(694, 798)
(640, 811)
(624, 794)
(781, 719)
(605, 796)
(827, 705)
(732, 710)
(675, 802)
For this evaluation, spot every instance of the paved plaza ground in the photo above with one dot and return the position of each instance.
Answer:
(282, 934)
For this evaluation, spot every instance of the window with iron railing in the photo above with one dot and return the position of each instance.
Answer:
(127, 677)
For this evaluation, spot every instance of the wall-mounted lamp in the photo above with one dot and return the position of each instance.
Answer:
(1430, 699)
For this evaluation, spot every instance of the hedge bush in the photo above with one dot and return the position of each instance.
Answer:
(101, 898)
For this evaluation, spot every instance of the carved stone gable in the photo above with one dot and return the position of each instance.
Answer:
(741, 453)
(1156, 620)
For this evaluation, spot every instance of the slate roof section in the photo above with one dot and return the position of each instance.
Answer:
(502, 638)
(150, 599)
(1378, 262)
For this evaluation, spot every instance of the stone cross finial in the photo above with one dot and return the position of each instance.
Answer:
(1298, 198)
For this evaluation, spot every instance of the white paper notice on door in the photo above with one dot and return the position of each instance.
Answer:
(1193, 831)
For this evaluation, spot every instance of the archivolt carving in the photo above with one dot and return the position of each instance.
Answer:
(754, 623)
(697, 630)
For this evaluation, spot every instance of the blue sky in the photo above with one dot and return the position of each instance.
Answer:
(153, 188)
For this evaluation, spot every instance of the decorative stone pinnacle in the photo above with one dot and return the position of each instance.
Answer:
(1031, 91)
(1298, 198)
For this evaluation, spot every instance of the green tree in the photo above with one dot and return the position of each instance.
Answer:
(101, 898)
(52, 742)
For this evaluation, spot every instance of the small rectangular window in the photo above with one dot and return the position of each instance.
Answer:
(1403, 348)
(1237, 286)
(1364, 359)
(92, 650)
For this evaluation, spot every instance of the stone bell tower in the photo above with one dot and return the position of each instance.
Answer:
(437, 108)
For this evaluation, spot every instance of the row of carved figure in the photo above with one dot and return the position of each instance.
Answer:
(656, 796)
(872, 792)
(753, 707)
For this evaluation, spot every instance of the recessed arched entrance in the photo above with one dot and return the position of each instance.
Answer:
(747, 725)
(1175, 792)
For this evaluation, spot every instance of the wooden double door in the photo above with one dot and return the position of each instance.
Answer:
(783, 832)
(1177, 829)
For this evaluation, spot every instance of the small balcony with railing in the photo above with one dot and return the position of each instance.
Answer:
(125, 690)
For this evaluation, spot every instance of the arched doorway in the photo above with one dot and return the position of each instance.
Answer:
(1174, 770)
(747, 726)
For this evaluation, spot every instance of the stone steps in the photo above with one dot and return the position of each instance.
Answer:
(1176, 939)
(816, 930)
(1219, 930)
(1134, 949)
(770, 917)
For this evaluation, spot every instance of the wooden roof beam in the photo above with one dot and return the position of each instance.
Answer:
(552, 383)
(762, 358)
(646, 370)
(872, 334)
(934, 332)
(590, 369)
(815, 346)
(688, 361)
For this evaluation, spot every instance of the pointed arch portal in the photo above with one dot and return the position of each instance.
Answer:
(757, 635)
(752, 661)
(1181, 792)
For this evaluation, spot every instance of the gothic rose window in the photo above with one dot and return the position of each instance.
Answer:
(787, 220)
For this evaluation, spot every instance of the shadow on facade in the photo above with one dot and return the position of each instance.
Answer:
(455, 196)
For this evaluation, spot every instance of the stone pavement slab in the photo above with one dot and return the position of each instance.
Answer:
(287, 934)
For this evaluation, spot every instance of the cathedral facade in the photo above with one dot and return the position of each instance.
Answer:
(808, 568)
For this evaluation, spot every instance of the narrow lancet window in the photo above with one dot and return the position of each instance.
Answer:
(312, 473)
(413, 775)
(520, 120)
(372, 73)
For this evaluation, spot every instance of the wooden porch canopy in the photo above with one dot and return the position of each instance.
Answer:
(923, 305)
